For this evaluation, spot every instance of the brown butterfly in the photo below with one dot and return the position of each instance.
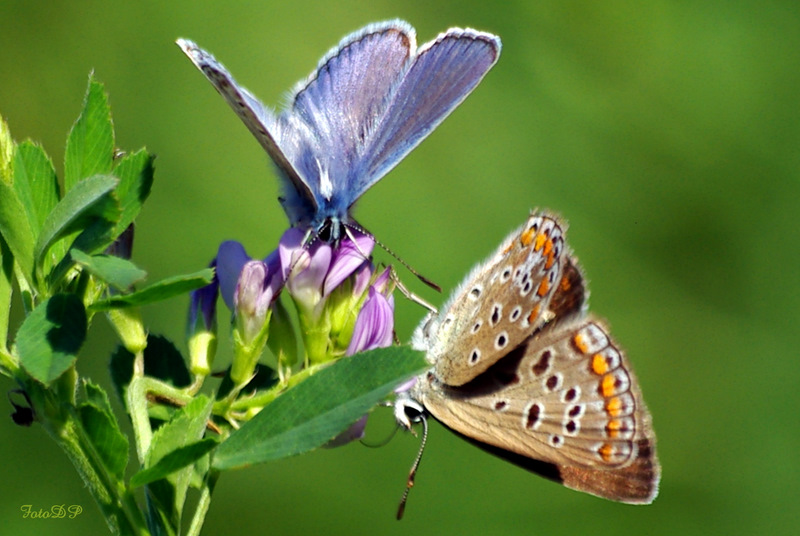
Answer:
(520, 369)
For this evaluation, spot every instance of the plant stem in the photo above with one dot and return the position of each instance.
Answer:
(138, 389)
(116, 503)
(203, 504)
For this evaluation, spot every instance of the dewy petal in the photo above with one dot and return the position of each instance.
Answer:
(347, 258)
(374, 325)
(231, 258)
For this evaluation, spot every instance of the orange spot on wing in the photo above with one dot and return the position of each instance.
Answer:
(548, 246)
(527, 236)
(599, 365)
(613, 427)
(614, 406)
(607, 385)
(540, 240)
(579, 343)
(606, 452)
(544, 287)
(534, 314)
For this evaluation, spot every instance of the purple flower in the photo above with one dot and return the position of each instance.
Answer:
(256, 290)
(327, 285)
(231, 258)
(342, 306)
(203, 305)
(252, 298)
(347, 258)
(374, 326)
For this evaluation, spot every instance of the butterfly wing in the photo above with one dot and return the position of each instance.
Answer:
(373, 99)
(565, 404)
(499, 305)
(259, 120)
(334, 111)
(441, 75)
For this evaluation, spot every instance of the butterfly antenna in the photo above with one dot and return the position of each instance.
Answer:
(353, 238)
(412, 474)
(309, 238)
(407, 266)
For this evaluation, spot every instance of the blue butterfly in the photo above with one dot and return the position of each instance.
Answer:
(371, 100)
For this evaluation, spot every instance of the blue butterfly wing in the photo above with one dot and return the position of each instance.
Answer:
(442, 75)
(334, 112)
(372, 100)
(262, 124)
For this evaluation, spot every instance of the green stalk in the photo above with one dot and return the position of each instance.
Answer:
(203, 504)
(116, 503)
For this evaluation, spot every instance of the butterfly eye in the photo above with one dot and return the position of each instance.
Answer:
(413, 413)
(326, 232)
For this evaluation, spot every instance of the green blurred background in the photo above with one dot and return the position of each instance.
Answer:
(666, 132)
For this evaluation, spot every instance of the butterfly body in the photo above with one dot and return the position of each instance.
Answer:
(371, 100)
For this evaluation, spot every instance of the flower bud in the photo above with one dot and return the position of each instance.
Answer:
(201, 328)
(257, 288)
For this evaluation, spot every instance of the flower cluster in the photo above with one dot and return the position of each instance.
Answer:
(343, 305)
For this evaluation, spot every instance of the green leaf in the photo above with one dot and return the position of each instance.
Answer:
(162, 290)
(103, 430)
(177, 459)
(16, 229)
(135, 172)
(85, 203)
(313, 412)
(97, 395)
(49, 339)
(98, 232)
(119, 273)
(185, 428)
(35, 183)
(106, 438)
(90, 144)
